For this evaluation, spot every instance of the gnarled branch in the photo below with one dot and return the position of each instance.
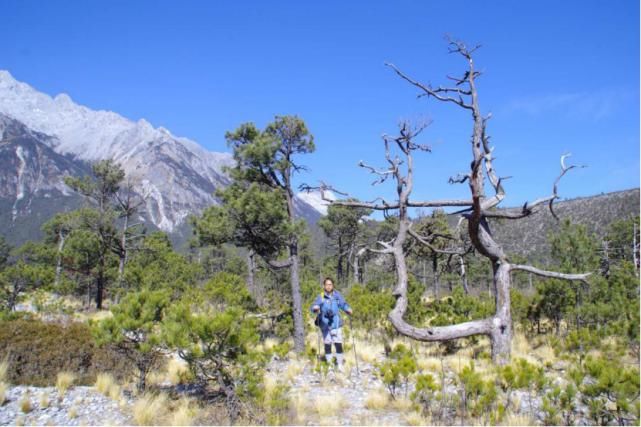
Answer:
(550, 274)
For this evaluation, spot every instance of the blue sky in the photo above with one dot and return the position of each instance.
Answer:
(558, 77)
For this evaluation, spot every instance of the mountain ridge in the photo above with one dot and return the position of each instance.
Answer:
(174, 175)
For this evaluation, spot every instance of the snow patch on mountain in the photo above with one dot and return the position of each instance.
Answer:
(183, 174)
(314, 199)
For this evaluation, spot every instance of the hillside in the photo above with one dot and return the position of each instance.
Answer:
(529, 236)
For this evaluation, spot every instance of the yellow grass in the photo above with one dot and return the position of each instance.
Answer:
(456, 362)
(416, 419)
(522, 349)
(4, 367)
(294, 368)
(73, 412)
(3, 392)
(377, 399)
(93, 316)
(368, 352)
(270, 382)
(104, 383)
(402, 404)
(184, 414)
(20, 420)
(546, 354)
(518, 420)
(299, 403)
(148, 409)
(428, 363)
(25, 403)
(64, 381)
(177, 371)
(329, 404)
(270, 343)
(44, 400)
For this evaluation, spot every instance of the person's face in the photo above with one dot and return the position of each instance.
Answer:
(329, 286)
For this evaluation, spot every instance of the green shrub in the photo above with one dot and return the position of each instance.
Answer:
(479, 397)
(425, 392)
(611, 391)
(135, 330)
(37, 351)
(397, 370)
(372, 307)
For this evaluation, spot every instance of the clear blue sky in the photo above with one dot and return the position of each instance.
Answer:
(559, 76)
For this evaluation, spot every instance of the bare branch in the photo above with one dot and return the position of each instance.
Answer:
(528, 208)
(378, 207)
(277, 265)
(428, 91)
(421, 239)
(551, 274)
(439, 203)
(564, 170)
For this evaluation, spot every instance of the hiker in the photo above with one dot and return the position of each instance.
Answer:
(328, 319)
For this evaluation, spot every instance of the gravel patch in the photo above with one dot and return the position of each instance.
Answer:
(79, 406)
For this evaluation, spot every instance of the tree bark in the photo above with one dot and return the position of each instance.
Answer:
(297, 305)
(463, 275)
(251, 268)
(100, 283)
(61, 245)
(122, 253)
(501, 332)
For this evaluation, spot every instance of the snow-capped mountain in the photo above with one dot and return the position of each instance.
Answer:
(175, 176)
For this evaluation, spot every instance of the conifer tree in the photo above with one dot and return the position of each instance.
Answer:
(266, 164)
(100, 190)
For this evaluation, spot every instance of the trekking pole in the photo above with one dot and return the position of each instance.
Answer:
(358, 373)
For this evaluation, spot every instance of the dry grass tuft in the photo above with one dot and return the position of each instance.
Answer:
(329, 405)
(377, 399)
(416, 419)
(184, 414)
(3, 392)
(428, 363)
(456, 362)
(402, 404)
(546, 354)
(64, 381)
(25, 403)
(368, 352)
(270, 343)
(520, 344)
(299, 404)
(177, 371)
(518, 420)
(4, 367)
(104, 383)
(20, 420)
(95, 316)
(270, 382)
(149, 409)
(294, 368)
(44, 400)
(73, 412)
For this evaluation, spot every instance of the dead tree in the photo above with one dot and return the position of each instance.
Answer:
(399, 151)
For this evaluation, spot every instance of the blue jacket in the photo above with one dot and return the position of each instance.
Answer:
(330, 304)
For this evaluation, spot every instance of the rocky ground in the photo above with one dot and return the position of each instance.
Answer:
(350, 388)
(79, 406)
(329, 398)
